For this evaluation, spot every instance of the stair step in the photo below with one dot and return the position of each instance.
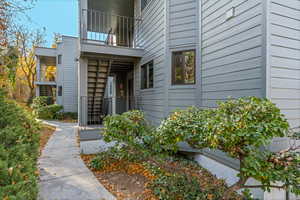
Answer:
(95, 110)
(94, 80)
(98, 85)
(94, 74)
(95, 103)
(98, 80)
(95, 106)
(95, 63)
(96, 98)
(97, 90)
(94, 69)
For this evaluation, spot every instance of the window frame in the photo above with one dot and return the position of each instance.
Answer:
(146, 66)
(173, 82)
(59, 59)
(60, 91)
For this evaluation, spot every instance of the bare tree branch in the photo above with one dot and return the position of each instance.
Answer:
(26, 41)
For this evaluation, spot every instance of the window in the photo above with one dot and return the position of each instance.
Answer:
(147, 75)
(59, 91)
(144, 4)
(59, 59)
(183, 67)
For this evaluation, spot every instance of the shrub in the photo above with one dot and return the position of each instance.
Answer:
(183, 125)
(19, 142)
(49, 112)
(39, 102)
(45, 109)
(128, 128)
(67, 116)
(171, 186)
(240, 128)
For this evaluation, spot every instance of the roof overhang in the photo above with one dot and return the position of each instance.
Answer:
(48, 52)
(45, 83)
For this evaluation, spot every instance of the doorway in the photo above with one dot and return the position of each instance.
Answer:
(111, 95)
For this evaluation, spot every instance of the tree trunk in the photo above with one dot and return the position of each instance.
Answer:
(31, 96)
(234, 188)
(238, 185)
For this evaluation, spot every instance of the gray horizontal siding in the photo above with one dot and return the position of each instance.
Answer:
(231, 50)
(182, 35)
(181, 98)
(285, 58)
(69, 80)
(182, 22)
(152, 39)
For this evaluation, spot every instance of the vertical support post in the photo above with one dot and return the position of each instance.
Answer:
(37, 91)
(38, 69)
(83, 18)
(82, 91)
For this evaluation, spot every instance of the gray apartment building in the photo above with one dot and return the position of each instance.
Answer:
(161, 55)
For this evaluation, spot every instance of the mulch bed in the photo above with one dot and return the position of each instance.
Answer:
(128, 180)
(125, 183)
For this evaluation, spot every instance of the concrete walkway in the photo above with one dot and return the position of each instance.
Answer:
(64, 176)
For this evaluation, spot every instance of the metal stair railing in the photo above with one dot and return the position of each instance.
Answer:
(97, 24)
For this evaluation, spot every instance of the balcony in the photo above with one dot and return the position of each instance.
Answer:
(118, 34)
(46, 67)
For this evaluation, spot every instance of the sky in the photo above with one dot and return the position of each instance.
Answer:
(57, 16)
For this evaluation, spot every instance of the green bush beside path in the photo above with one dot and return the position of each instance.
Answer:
(19, 144)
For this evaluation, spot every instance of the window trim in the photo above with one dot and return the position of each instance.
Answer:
(146, 65)
(173, 83)
(59, 59)
(60, 91)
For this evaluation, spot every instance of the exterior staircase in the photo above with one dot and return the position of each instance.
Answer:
(98, 71)
(44, 91)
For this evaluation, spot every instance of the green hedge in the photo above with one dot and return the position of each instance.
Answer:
(44, 109)
(39, 102)
(67, 115)
(49, 112)
(19, 143)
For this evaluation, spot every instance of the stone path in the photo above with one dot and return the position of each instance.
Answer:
(64, 176)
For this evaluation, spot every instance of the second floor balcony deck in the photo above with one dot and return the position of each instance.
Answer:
(46, 66)
(108, 29)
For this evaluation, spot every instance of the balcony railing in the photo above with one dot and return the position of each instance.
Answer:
(109, 29)
(94, 109)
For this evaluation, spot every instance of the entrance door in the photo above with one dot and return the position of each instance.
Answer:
(111, 95)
